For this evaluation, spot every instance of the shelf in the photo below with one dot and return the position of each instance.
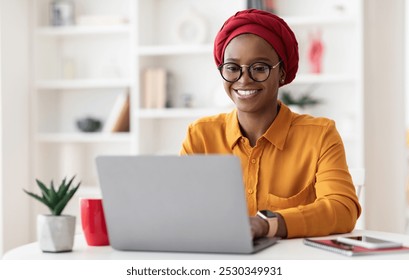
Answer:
(323, 78)
(174, 50)
(175, 113)
(98, 137)
(294, 21)
(83, 84)
(89, 191)
(83, 30)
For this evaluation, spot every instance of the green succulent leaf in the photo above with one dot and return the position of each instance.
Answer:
(53, 194)
(44, 189)
(62, 190)
(63, 202)
(55, 199)
(39, 198)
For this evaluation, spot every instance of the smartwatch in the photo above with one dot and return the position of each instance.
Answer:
(272, 220)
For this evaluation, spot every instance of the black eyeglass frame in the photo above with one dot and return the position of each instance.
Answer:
(248, 70)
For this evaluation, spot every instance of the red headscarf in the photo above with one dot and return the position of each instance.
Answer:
(268, 26)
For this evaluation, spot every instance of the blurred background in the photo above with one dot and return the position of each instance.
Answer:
(81, 78)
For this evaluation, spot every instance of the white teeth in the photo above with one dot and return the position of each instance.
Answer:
(246, 92)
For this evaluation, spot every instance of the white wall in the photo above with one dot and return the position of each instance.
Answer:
(385, 156)
(385, 153)
(406, 75)
(407, 107)
(407, 65)
(14, 125)
(1, 145)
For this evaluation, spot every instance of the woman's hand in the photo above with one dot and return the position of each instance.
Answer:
(259, 227)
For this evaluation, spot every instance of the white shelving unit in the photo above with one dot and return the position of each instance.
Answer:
(79, 70)
(340, 84)
(188, 59)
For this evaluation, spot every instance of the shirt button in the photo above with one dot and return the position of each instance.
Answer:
(253, 161)
(250, 191)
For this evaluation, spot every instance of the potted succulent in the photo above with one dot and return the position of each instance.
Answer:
(298, 105)
(55, 232)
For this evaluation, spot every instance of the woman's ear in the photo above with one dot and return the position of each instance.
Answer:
(282, 75)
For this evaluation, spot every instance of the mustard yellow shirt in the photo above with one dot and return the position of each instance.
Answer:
(297, 168)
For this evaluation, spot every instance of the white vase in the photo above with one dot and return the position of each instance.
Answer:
(62, 12)
(55, 233)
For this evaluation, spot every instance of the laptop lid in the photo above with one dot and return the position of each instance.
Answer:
(175, 203)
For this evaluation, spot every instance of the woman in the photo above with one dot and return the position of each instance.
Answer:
(294, 166)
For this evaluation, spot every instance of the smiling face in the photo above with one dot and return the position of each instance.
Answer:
(248, 95)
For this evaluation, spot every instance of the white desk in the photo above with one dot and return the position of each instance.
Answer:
(291, 249)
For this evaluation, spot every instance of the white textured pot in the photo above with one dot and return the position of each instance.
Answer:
(55, 233)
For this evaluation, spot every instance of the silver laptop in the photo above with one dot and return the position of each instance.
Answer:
(176, 203)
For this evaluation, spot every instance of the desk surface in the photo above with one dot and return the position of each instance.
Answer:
(290, 249)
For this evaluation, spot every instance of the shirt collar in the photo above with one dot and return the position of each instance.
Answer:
(276, 134)
(233, 129)
(279, 129)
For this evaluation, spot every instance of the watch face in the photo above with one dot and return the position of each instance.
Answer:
(268, 213)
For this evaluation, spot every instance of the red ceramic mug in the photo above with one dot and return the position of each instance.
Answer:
(93, 222)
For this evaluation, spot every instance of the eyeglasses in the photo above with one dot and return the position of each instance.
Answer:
(258, 71)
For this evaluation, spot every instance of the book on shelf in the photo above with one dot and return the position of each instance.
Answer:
(154, 88)
(118, 119)
(333, 245)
